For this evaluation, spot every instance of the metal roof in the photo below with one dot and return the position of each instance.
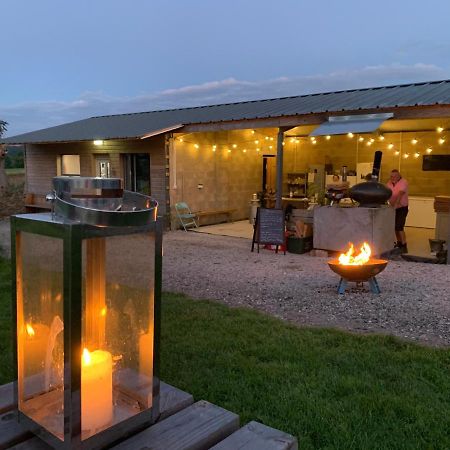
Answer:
(137, 125)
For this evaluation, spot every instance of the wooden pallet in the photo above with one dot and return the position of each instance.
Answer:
(183, 425)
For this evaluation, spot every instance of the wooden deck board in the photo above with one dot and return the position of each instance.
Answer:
(172, 400)
(197, 427)
(256, 436)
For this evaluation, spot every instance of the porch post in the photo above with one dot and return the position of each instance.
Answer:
(279, 184)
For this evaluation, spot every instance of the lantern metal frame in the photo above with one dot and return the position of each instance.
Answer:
(73, 233)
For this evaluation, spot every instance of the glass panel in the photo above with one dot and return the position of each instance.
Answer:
(40, 326)
(117, 329)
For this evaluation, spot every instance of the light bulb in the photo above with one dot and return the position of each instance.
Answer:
(327, 137)
(406, 155)
(266, 138)
(196, 146)
(414, 141)
(396, 153)
(256, 142)
(258, 149)
(314, 142)
(180, 139)
(390, 146)
(271, 147)
(361, 138)
(244, 150)
(381, 137)
(297, 141)
(429, 150)
(439, 129)
(214, 146)
(253, 131)
(234, 145)
(369, 143)
(441, 141)
(229, 151)
(350, 135)
(372, 140)
(271, 138)
(416, 155)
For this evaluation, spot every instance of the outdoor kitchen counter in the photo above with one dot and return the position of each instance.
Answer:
(335, 227)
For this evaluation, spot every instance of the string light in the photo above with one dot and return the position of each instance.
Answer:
(244, 150)
(296, 141)
(327, 137)
(234, 145)
(258, 149)
(314, 142)
(414, 141)
(214, 146)
(271, 138)
(396, 153)
(429, 150)
(312, 138)
(439, 129)
(256, 142)
(372, 140)
(350, 135)
(266, 138)
(361, 139)
(253, 131)
(180, 139)
(198, 146)
(229, 151)
(271, 147)
(406, 156)
(369, 143)
(441, 141)
(381, 137)
(214, 149)
(416, 155)
(390, 146)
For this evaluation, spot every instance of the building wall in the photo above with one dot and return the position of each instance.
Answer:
(41, 163)
(228, 178)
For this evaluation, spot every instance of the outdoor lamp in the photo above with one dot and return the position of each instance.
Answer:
(86, 297)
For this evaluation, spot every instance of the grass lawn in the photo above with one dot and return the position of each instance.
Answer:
(331, 389)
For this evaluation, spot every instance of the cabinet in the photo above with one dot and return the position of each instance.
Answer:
(297, 184)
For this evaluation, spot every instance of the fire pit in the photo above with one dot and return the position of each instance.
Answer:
(357, 268)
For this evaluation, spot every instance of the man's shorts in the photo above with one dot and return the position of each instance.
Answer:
(400, 218)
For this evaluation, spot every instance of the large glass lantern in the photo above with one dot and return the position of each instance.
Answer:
(87, 313)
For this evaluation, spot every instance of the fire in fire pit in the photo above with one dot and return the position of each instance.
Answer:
(358, 268)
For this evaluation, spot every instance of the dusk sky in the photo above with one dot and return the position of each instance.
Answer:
(64, 61)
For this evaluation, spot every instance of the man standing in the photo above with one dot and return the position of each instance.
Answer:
(399, 201)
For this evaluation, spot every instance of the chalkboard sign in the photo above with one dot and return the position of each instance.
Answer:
(269, 227)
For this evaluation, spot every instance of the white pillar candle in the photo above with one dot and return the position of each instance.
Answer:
(35, 347)
(146, 354)
(96, 390)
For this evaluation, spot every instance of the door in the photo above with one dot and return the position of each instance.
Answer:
(269, 181)
(137, 172)
(102, 167)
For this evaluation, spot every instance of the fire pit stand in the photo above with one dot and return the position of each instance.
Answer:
(358, 273)
(373, 284)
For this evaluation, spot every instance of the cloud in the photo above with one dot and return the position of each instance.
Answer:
(31, 116)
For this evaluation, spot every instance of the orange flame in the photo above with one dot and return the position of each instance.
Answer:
(86, 357)
(30, 330)
(350, 259)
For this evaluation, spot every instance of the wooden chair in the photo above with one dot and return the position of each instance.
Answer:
(185, 215)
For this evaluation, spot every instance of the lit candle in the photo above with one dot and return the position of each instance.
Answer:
(96, 390)
(35, 347)
(146, 354)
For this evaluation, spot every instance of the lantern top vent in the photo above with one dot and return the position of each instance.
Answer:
(101, 202)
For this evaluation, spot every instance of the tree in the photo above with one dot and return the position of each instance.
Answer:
(3, 127)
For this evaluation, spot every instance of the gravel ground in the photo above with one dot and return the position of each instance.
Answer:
(414, 302)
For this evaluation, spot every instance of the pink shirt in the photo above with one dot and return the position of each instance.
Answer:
(400, 186)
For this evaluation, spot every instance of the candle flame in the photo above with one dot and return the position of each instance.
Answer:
(350, 259)
(30, 330)
(86, 357)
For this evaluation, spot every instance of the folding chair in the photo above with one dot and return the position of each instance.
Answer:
(185, 216)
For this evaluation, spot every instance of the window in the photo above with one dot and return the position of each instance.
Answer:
(70, 165)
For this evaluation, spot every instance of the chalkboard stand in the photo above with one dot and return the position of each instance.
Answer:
(269, 228)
